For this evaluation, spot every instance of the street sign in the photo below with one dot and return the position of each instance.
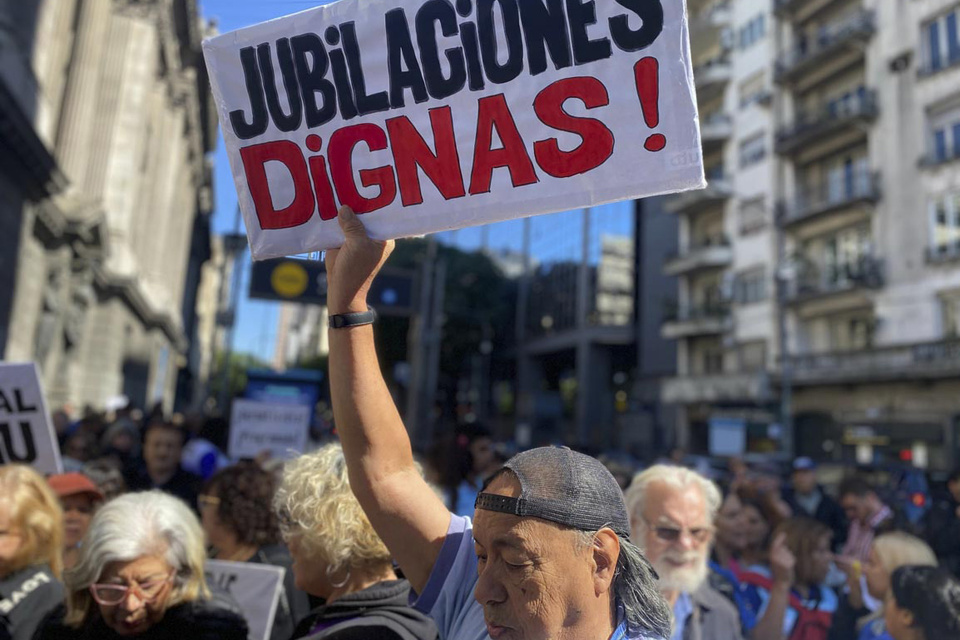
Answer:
(305, 282)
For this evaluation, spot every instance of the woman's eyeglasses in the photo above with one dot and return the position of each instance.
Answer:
(114, 594)
(207, 501)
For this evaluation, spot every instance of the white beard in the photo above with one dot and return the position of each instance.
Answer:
(685, 579)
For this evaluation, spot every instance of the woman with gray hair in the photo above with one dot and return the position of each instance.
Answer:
(337, 556)
(141, 574)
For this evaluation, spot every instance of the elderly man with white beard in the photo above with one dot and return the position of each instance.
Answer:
(672, 510)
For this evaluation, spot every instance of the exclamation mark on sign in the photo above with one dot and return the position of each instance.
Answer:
(646, 72)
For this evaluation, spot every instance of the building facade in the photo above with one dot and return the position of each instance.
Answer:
(110, 245)
(821, 263)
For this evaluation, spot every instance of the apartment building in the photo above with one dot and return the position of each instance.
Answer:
(831, 132)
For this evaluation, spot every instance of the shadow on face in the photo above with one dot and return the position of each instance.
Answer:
(147, 582)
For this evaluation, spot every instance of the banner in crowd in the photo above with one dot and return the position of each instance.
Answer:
(26, 431)
(436, 115)
(260, 426)
(255, 587)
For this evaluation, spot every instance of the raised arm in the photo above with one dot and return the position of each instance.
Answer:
(403, 509)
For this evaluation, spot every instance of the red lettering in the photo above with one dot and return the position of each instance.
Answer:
(321, 181)
(287, 153)
(410, 151)
(494, 113)
(598, 140)
(340, 155)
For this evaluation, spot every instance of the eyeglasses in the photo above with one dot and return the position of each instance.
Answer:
(207, 501)
(114, 594)
(672, 534)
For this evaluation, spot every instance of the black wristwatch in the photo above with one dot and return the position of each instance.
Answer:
(344, 320)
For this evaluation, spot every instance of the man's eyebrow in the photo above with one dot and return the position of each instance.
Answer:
(510, 542)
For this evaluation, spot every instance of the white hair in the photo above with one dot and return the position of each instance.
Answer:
(674, 477)
(134, 525)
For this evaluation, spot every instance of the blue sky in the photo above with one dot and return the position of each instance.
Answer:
(256, 321)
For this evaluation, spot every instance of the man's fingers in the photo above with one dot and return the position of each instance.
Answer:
(350, 223)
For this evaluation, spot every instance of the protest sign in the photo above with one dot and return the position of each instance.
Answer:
(430, 115)
(261, 426)
(26, 432)
(255, 587)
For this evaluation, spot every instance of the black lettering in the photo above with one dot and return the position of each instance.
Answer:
(365, 103)
(348, 109)
(22, 407)
(7, 453)
(650, 11)
(582, 14)
(313, 79)
(545, 27)
(5, 403)
(432, 13)
(283, 121)
(500, 73)
(258, 108)
(471, 49)
(400, 55)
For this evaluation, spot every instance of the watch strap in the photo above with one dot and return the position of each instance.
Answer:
(344, 320)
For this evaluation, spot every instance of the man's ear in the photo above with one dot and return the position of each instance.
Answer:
(606, 552)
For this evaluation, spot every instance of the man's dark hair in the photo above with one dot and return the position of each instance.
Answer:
(169, 426)
(955, 476)
(932, 595)
(855, 485)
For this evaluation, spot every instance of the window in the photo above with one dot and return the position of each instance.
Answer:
(753, 150)
(950, 304)
(945, 129)
(752, 32)
(753, 356)
(753, 215)
(713, 361)
(844, 256)
(941, 42)
(752, 286)
(852, 333)
(945, 223)
(752, 90)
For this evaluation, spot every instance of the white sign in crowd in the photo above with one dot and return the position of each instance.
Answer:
(255, 427)
(255, 587)
(26, 431)
(430, 115)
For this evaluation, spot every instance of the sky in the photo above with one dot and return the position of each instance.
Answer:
(256, 328)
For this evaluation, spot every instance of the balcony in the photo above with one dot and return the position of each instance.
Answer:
(859, 189)
(941, 157)
(715, 130)
(736, 387)
(714, 254)
(834, 42)
(717, 192)
(690, 321)
(816, 282)
(712, 77)
(707, 27)
(910, 362)
(799, 9)
(827, 121)
(947, 252)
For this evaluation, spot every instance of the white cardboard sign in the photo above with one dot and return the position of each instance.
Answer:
(26, 431)
(428, 115)
(255, 587)
(260, 426)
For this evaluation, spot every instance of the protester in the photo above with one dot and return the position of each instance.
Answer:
(236, 511)
(548, 554)
(792, 601)
(729, 542)
(31, 541)
(924, 604)
(759, 521)
(339, 557)
(140, 574)
(672, 510)
(162, 447)
(807, 498)
(107, 476)
(867, 514)
(890, 551)
(79, 499)
(463, 464)
(942, 525)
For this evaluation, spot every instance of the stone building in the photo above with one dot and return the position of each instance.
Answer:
(831, 132)
(107, 186)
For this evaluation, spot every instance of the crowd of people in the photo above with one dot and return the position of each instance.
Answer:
(468, 544)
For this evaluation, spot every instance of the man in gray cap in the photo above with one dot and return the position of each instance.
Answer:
(548, 554)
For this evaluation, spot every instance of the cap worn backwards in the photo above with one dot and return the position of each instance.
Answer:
(565, 487)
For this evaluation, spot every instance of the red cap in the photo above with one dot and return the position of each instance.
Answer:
(72, 484)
